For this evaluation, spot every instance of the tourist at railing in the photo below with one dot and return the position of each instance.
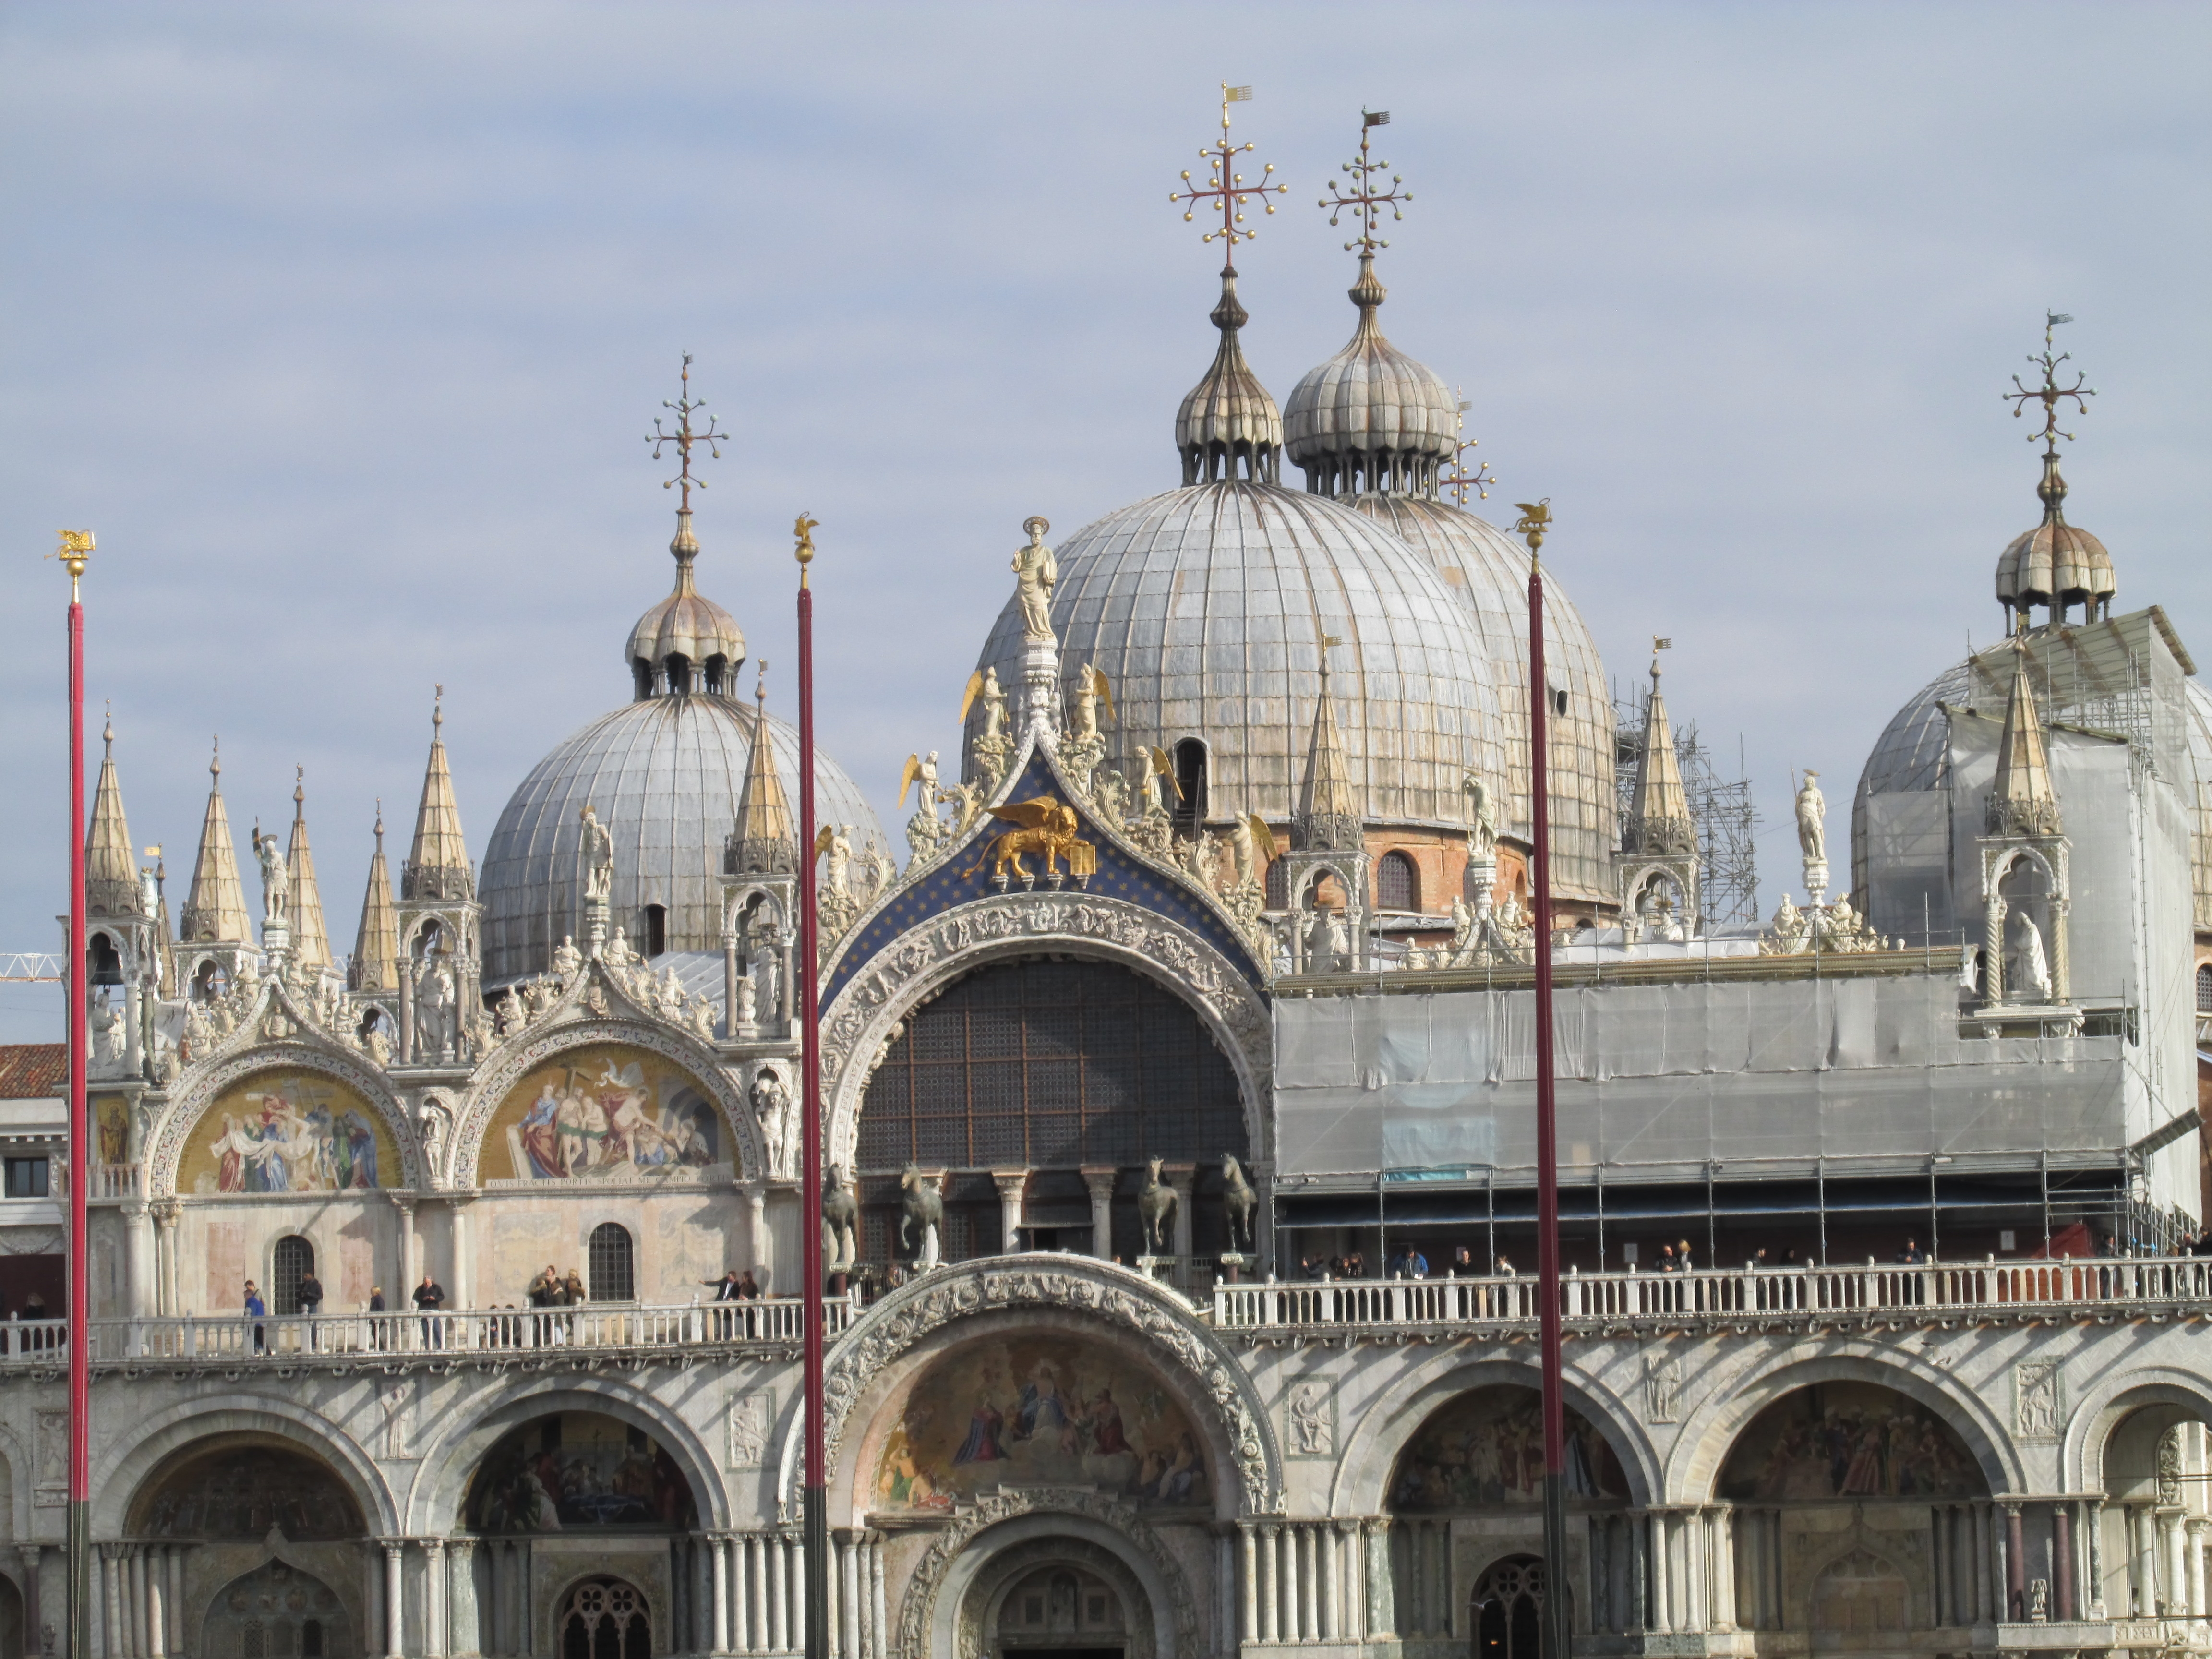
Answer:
(429, 1297)
(726, 1289)
(311, 1300)
(255, 1308)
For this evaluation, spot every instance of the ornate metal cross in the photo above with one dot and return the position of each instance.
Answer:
(1225, 184)
(2049, 393)
(1459, 479)
(683, 437)
(1365, 201)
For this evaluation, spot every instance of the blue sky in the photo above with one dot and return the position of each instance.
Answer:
(341, 324)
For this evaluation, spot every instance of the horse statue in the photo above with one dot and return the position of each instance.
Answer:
(1156, 1208)
(921, 1217)
(1238, 1201)
(840, 1221)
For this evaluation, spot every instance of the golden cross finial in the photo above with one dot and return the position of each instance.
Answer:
(1460, 479)
(1535, 521)
(2049, 394)
(683, 437)
(1226, 186)
(1365, 200)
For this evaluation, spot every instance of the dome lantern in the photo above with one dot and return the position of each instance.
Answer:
(2054, 565)
(687, 642)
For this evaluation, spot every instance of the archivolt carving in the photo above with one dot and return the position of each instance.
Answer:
(920, 1603)
(307, 1050)
(1004, 1283)
(574, 1028)
(857, 1026)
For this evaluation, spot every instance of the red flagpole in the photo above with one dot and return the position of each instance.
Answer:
(1547, 1129)
(815, 1517)
(75, 546)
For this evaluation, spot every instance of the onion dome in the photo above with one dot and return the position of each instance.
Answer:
(2054, 565)
(1228, 426)
(686, 642)
(1371, 418)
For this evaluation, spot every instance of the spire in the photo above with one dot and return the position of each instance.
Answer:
(1228, 427)
(1328, 818)
(215, 910)
(686, 642)
(2055, 564)
(376, 949)
(765, 842)
(311, 944)
(1659, 812)
(111, 868)
(2022, 801)
(438, 867)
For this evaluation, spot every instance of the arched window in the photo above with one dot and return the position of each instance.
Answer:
(656, 929)
(209, 982)
(1279, 883)
(717, 675)
(2204, 989)
(311, 1639)
(679, 676)
(641, 671)
(102, 966)
(1397, 885)
(1190, 778)
(293, 1261)
(613, 1264)
(606, 1619)
(1509, 1609)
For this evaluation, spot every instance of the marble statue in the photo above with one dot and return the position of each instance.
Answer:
(995, 709)
(1786, 933)
(618, 953)
(377, 1045)
(771, 1101)
(597, 857)
(276, 880)
(748, 999)
(106, 1022)
(434, 1009)
(1462, 938)
(1321, 944)
(836, 856)
(701, 1014)
(2030, 975)
(764, 980)
(566, 959)
(1035, 572)
(1812, 820)
(670, 995)
(1481, 820)
(1244, 847)
(1085, 723)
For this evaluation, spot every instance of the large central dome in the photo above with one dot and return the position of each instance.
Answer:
(666, 773)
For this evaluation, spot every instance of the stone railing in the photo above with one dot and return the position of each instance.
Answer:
(1729, 1296)
(341, 1339)
(34, 1342)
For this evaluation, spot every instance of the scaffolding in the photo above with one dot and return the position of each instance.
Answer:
(1726, 820)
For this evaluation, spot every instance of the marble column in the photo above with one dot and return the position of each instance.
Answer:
(849, 1562)
(1325, 1572)
(2062, 1561)
(719, 1547)
(395, 1599)
(1010, 1183)
(1101, 1183)
(464, 1287)
(136, 1624)
(137, 1263)
(757, 1555)
(2196, 1525)
(2177, 1568)
(760, 1244)
(410, 1262)
(1352, 1591)
(2016, 1554)
(1381, 1610)
(1662, 1573)
(1181, 1177)
(372, 1598)
(1248, 1561)
(1695, 1564)
(433, 1598)
(157, 1600)
(1271, 1605)
(780, 1593)
(464, 1635)
(33, 1642)
(166, 1212)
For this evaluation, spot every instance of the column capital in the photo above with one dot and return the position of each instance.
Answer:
(1100, 1181)
(1010, 1182)
(31, 1552)
(167, 1211)
(402, 1201)
(393, 1548)
(1347, 1524)
(1376, 1525)
(434, 1547)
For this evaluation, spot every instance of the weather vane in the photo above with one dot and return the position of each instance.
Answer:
(2049, 393)
(1459, 480)
(1226, 186)
(74, 552)
(1363, 199)
(683, 437)
(1535, 522)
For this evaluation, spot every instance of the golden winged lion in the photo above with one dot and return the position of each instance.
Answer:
(1047, 829)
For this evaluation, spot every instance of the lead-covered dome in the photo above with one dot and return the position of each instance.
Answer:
(1370, 417)
(1488, 572)
(2056, 564)
(1206, 607)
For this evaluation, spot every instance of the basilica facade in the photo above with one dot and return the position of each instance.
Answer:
(1177, 1079)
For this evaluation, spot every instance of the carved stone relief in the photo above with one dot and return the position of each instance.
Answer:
(2035, 1399)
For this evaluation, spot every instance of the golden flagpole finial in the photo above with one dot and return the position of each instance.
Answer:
(1225, 184)
(1536, 519)
(75, 551)
(1365, 198)
(683, 437)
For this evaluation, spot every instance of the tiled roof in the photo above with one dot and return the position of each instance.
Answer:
(33, 1071)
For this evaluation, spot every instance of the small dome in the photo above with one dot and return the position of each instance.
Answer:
(2054, 565)
(1370, 417)
(686, 642)
(1228, 426)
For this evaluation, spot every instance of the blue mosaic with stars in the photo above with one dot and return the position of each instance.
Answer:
(1119, 876)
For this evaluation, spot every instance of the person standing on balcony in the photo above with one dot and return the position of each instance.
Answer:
(311, 1300)
(545, 1292)
(429, 1297)
(726, 1289)
(256, 1310)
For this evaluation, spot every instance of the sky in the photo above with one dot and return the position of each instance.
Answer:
(341, 324)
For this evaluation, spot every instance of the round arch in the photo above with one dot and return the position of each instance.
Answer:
(130, 1458)
(888, 1345)
(963, 1567)
(436, 1501)
(1711, 1426)
(2111, 1401)
(511, 1060)
(1364, 1469)
(304, 1051)
(861, 1023)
